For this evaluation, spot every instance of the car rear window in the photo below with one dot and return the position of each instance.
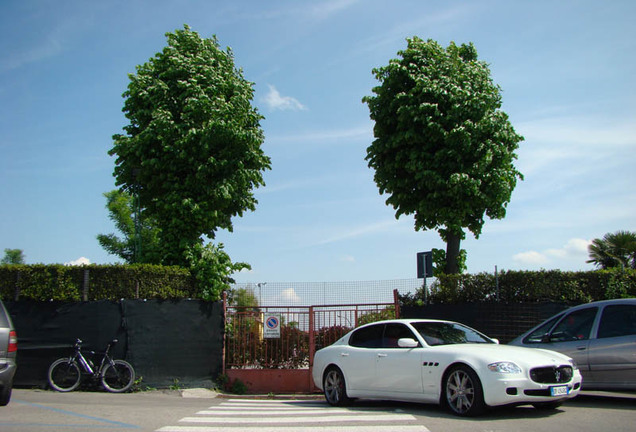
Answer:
(4, 320)
(618, 320)
(367, 337)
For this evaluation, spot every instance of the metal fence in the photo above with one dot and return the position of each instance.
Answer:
(298, 331)
(328, 293)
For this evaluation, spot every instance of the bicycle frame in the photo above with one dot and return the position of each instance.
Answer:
(88, 365)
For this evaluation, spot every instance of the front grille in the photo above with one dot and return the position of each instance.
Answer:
(552, 375)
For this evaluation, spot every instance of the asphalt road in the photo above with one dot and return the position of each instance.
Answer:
(170, 411)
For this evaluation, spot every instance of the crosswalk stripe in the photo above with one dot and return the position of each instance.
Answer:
(362, 428)
(269, 405)
(301, 419)
(274, 411)
(274, 401)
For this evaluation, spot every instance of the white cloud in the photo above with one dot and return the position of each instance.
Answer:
(531, 258)
(289, 296)
(275, 101)
(348, 259)
(79, 262)
(574, 249)
(49, 48)
(360, 231)
(326, 9)
(587, 140)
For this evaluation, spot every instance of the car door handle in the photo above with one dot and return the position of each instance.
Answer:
(581, 348)
(344, 355)
(382, 355)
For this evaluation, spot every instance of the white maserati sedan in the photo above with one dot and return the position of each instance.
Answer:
(441, 362)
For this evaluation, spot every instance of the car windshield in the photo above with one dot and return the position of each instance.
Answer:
(445, 333)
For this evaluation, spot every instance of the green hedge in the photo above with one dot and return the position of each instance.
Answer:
(528, 286)
(94, 282)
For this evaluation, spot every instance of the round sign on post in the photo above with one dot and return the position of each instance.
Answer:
(271, 329)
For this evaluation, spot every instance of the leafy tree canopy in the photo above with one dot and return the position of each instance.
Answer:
(145, 249)
(192, 149)
(443, 149)
(614, 250)
(13, 256)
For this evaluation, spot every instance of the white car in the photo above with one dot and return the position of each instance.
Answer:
(441, 362)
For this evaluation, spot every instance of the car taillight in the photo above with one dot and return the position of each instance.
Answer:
(13, 341)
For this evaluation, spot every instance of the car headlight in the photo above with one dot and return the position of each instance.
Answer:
(505, 367)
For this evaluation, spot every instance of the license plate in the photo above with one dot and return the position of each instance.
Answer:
(559, 391)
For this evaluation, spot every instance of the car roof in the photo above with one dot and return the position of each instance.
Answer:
(407, 321)
(603, 303)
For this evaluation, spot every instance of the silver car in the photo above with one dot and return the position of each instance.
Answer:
(599, 336)
(8, 349)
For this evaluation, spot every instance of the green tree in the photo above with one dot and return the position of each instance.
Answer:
(443, 149)
(192, 150)
(212, 268)
(13, 256)
(138, 244)
(243, 297)
(614, 250)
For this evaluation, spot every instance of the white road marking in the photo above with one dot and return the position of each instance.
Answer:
(292, 416)
(272, 411)
(301, 419)
(364, 428)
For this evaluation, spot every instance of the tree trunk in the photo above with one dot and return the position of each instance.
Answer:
(452, 252)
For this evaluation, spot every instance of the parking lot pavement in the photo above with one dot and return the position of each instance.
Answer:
(202, 411)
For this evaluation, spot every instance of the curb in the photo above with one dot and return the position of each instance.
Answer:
(203, 393)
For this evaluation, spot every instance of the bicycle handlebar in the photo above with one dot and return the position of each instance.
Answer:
(78, 343)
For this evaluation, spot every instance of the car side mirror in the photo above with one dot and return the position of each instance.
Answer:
(407, 343)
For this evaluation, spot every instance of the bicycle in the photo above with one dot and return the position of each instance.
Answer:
(65, 374)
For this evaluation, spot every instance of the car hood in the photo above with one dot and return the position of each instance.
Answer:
(522, 356)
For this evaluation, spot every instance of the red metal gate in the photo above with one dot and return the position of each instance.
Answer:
(271, 348)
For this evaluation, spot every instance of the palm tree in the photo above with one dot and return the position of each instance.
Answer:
(614, 250)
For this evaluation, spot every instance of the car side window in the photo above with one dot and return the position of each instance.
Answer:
(395, 332)
(617, 320)
(574, 326)
(538, 336)
(367, 337)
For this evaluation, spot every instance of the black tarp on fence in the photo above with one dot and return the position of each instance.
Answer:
(503, 321)
(163, 340)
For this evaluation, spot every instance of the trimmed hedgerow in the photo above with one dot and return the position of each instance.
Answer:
(528, 286)
(94, 282)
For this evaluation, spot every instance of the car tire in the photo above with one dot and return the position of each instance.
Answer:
(462, 392)
(5, 395)
(335, 387)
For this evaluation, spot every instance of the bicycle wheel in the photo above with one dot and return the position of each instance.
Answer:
(118, 376)
(64, 375)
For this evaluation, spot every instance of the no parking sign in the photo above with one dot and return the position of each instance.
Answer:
(271, 327)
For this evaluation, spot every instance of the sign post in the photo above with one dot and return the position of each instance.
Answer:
(271, 327)
(425, 269)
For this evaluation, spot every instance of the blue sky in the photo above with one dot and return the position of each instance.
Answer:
(567, 70)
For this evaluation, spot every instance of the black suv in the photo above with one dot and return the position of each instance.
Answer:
(8, 350)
